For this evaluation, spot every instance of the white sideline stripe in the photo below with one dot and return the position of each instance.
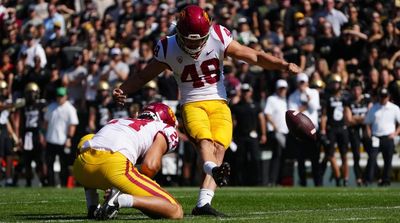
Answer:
(24, 202)
(64, 220)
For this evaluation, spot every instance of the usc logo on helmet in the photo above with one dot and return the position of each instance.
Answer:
(171, 114)
(206, 16)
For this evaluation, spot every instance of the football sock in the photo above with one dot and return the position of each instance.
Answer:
(92, 198)
(205, 197)
(208, 166)
(125, 200)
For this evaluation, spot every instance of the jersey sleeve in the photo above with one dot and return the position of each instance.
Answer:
(223, 34)
(160, 50)
(171, 136)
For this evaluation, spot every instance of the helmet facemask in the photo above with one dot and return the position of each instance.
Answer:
(189, 43)
(149, 115)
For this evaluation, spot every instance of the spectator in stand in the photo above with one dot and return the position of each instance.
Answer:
(373, 84)
(394, 86)
(117, 70)
(41, 9)
(325, 42)
(284, 13)
(55, 44)
(36, 74)
(390, 40)
(33, 49)
(333, 16)
(92, 80)
(75, 80)
(54, 17)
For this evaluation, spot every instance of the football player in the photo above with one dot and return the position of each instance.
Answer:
(195, 54)
(108, 158)
(29, 120)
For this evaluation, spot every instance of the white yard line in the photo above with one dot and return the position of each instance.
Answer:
(23, 202)
(322, 210)
(65, 220)
(244, 218)
(354, 219)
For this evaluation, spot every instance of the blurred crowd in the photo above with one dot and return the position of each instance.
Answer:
(61, 59)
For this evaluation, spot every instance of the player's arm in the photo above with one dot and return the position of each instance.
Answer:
(268, 119)
(152, 160)
(136, 81)
(11, 131)
(324, 119)
(368, 130)
(348, 117)
(92, 119)
(260, 58)
(263, 128)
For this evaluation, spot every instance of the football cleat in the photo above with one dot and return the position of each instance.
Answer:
(221, 174)
(207, 210)
(91, 211)
(110, 207)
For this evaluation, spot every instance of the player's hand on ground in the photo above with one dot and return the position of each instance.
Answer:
(119, 96)
(293, 68)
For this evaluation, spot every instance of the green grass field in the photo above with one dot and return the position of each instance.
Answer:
(241, 204)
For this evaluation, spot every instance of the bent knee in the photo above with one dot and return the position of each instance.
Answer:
(178, 213)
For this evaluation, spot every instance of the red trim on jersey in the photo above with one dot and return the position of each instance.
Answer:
(217, 29)
(164, 43)
(151, 191)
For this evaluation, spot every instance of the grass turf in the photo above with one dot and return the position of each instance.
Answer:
(241, 204)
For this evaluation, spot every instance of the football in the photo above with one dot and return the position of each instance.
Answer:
(300, 126)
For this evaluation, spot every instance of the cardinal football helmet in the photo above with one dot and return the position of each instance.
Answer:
(158, 111)
(193, 29)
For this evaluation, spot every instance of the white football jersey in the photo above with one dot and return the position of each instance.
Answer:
(201, 78)
(132, 137)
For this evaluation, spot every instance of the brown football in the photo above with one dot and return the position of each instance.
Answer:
(300, 125)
